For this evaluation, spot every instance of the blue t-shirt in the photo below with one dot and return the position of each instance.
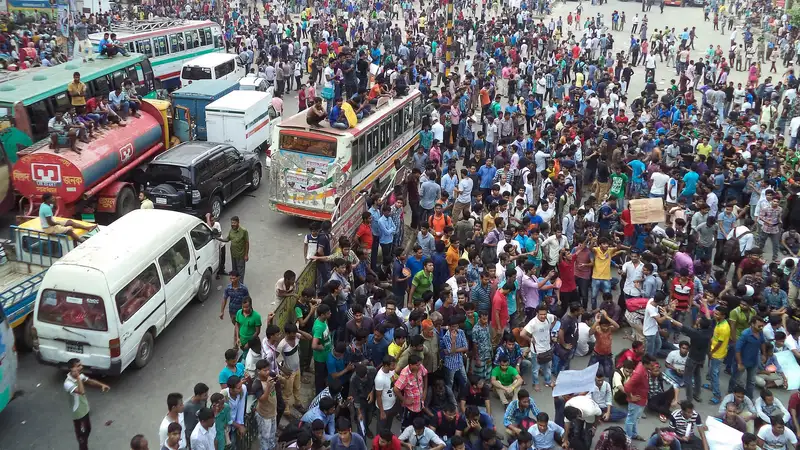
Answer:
(334, 365)
(691, 183)
(487, 176)
(227, 373)
(637, 168)
(45, 211)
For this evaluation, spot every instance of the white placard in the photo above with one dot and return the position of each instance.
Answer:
(720, 436)
(75, 300)
(575, 381)
(790, 369)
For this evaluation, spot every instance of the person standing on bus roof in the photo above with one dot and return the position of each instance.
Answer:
(82, 43)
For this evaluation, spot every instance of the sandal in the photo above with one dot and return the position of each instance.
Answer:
(638, 438)
(662, 418)
(714, 401)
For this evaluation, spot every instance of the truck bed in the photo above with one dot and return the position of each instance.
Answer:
(19, 283)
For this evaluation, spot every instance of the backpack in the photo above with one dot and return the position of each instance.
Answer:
(730, 250)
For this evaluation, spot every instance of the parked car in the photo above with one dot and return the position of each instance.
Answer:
(199, 177)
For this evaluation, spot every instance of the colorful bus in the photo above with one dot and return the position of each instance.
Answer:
(8, 362)
(314, 168)
(168, 43)
(28, 99)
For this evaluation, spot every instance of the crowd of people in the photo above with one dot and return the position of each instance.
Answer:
(520, 198)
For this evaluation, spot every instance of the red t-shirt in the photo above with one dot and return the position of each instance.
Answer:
(628, 229)
(682, 293)
(566, 271)
(500, 304)
(394, 445)
(364, 235)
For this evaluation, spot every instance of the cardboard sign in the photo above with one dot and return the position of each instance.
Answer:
(647, 210)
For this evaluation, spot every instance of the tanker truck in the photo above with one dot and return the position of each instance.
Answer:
(104, 178)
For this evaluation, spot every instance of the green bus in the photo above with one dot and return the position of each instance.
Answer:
(29, 98)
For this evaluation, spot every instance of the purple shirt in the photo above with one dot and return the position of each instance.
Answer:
(530, 291)
(683, 260)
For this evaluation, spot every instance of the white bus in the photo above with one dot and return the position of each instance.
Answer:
(314, 169)
(168, 44)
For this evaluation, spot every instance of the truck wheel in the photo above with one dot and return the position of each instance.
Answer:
(145, 351)
(205, 287)
(23, 335)
(126, 202)
(255, 178)
(216, 206)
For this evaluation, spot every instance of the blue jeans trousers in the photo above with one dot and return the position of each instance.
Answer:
(652, 344)
(597, 285)
(546, 370)
(632, 419)
(606, 362)
(713, 370)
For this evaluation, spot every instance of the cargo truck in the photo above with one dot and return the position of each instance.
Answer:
(243, 119)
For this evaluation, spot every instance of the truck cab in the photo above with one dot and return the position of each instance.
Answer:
(23, 268)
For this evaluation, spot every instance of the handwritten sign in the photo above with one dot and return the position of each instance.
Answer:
(575, 381)
(647, 210)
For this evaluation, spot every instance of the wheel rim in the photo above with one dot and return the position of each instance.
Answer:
(205, 286)
(216, 208)
(256, 178)
(144, 351)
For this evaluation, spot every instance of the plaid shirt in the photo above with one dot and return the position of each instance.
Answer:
(411, 384)
(453, 361)
(514, 356)
(514, 414)
(482, 340)
(770, 219)
(479, 295)
(656, 386)
(604, 443)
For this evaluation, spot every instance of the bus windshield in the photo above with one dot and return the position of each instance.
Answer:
(196, 73)
(308, 145)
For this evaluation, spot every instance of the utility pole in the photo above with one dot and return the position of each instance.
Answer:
(449, 48)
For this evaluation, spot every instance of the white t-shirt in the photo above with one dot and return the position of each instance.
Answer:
(163, 434)
(659, 183)
(649, 325)
(632, 275)
(328, 72)
(676, 360)
(588, 407)
(772, 442)
(582, 349)
(540, 333)
(672, 191)
(383, 383)
(746, 242)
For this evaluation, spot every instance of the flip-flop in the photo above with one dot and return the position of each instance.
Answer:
(662, 418)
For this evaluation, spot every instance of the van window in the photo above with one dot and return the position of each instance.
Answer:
(224, 69)
(196, 73)
(174, 260)
(73, 309)
(201, 235)
(133, 296)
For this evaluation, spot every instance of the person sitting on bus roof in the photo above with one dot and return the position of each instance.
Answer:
(51, 225)
(316, 113)
(118, 45)
(336, 117)
(378, 90)
(118, 100)
(133, 97)
(350, 114)
(100, 106)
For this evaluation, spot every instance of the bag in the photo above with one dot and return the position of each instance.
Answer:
(327, 93)
(544, 358)
(730, 250)
(636, 304)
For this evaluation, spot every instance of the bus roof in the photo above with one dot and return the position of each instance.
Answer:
(29, 88)
(210, 59)
(298, 121)
(144, 28)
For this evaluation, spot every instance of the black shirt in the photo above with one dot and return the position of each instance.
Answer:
(602, 172)
(477, 398)
(699, 342)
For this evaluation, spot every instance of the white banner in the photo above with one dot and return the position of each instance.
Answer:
(575, 381)
(720, 436)
(789, 369)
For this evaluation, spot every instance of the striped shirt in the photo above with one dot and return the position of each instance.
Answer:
(453, 361)
(678, 422)
(550, 81)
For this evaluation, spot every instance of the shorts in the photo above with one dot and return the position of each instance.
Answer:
(58, 229)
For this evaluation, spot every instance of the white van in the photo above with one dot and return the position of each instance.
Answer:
(212, 66)
(107, 300)
(243, 119)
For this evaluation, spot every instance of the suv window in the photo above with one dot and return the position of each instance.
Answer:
(232, 157)
(133, 296)
(201, 235)
(174, 260)
(216, 164)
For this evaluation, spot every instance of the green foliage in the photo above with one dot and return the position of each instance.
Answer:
(794, 16)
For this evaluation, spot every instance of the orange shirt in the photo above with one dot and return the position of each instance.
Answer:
(452, 258)
(484, 94)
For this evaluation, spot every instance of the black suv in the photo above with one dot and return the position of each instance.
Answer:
(200, 177)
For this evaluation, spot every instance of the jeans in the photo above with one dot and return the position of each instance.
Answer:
(546, 370)
(450, 377)
(750, 380)
(713, 371)
(560, 364)
(692, 378)
(606, 364)
(605, 285)
(83, 428)
(320, 376)
(584, 289)
(524, 366)
(632, 420)
(675, 376)
(238, 264)
(652, 344)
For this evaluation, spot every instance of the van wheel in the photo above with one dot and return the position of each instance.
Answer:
(126, 202)
(205, 287)
(145, 351)
(255, 178)
(216, 206)
(23, 335)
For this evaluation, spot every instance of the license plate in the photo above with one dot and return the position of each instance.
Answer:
(161, 201)
(74, 347)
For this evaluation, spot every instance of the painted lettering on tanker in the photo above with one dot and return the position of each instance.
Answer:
(46, 174)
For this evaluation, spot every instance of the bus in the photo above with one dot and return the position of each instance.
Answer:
(8, 362)
(29, 98)
(313, 168)
(168, 44)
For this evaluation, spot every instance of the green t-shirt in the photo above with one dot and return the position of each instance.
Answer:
(321, 332)
(238, 239)
(247, 325)
(505, 378)
(741, 319)
(423, 283)
(618, 182)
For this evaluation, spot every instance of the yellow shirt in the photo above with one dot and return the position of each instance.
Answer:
(395, 350)
(722, 333)
(488, 223)
(704, 150)
(602, 264)
(579, 79)
(77, 93)
(350, 114)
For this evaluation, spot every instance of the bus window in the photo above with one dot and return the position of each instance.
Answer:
(374, 143)
(181, 44)
(101, 86)
(129, 46)
(397, 118)
(39, 115)
(417, 112)
(147, 75)
(160, 46)
(408, 116)
(130, 72)
(357, 146)
(384, 128)
(204, 39)
(144, 46)
(189, 40)
(62, 101)
(218, 43)
(118, 78)
(173, 43)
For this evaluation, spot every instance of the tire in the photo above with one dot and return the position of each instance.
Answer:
(126, 202)
(204, 291)
(255, 178)
(216, 206)
(144, 353)
(23, 335)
